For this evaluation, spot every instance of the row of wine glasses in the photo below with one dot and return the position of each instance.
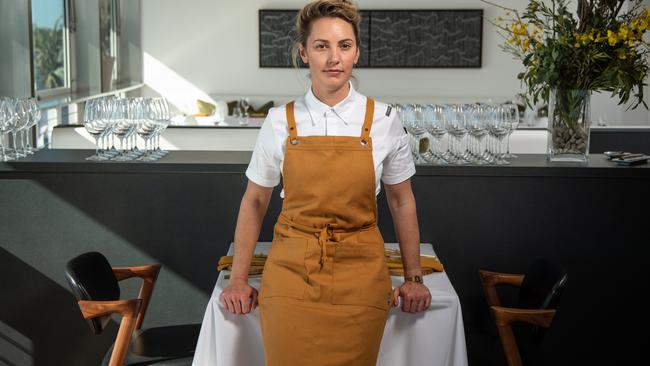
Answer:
(17, 117)
(475, 132)
(107, 118)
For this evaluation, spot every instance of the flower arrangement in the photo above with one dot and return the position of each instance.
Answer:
(600, 50)
(567, 55)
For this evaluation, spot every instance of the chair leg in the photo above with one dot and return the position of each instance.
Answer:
(127, 326)
(509, 344)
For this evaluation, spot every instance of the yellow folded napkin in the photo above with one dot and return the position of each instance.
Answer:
(428, 263)
(205, 108)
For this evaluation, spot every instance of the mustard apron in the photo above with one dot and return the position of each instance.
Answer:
(326, 291)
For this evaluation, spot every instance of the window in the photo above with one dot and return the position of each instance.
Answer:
(51, 47)
(108, 32)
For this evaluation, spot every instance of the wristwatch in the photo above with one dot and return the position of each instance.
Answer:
(415, 278)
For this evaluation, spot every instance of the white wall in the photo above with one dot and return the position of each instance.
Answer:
(14, 49)
(198, 49)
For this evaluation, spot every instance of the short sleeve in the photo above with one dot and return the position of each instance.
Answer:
(264, 168)
(399, 165)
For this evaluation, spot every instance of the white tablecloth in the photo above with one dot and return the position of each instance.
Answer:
(435, 337)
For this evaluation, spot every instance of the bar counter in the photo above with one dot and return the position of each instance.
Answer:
(525, 165)
(181, 212)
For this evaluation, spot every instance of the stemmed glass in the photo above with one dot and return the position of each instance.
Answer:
(162, 120)
(121, 124)
(245, 104)
(498, 128)
(512, 118)
(21, 111)
(455, 126)
(34, 117)
(136, 115)
(147, 128)
(432, 117)
(475, 123)
(7, 122)
(96, 124)
(412, 121)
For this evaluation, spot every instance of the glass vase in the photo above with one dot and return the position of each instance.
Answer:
(568, 125)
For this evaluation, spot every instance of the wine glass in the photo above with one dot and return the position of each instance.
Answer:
(162, 121)
(477, 131)
(500, 128)
(512, 118)
(21, 111)
(147, 128)
(455, 126)
(245, 104)
(435, 126)
(121, 124)
(34, 117)
(412, 121)
(7, 121)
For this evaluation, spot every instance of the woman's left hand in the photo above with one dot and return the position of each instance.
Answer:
(415, 297)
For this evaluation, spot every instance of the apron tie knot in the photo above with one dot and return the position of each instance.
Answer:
(323, 237)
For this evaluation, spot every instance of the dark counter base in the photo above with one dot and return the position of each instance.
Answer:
(497, 218)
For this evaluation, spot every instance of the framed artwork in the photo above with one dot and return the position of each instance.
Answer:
(389, 38)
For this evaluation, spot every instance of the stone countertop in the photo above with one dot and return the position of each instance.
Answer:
(216, 162)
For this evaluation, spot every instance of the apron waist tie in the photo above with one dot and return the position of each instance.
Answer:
(323, 234)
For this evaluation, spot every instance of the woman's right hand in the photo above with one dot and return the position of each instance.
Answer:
(239, 297)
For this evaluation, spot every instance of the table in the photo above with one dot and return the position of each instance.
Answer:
(435, 337)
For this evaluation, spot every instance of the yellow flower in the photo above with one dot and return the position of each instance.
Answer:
(519, 28)
(622, 33)
(621, 54)
(577, 45)
(600, 38)
(525, 45)
(611, 37)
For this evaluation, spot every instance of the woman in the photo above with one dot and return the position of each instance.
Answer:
(326, 291)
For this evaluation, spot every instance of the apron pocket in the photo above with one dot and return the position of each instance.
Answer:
(360, 276)
(284, 271)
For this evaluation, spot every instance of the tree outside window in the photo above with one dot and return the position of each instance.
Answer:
(49, 38)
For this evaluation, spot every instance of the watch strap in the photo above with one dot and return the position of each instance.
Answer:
(415, 278)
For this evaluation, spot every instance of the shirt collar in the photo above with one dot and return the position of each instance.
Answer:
(341, 109)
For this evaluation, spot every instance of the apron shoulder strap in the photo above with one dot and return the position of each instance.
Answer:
(367, 121)
(291, 121)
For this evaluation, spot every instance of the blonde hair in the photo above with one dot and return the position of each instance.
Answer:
(343, 9)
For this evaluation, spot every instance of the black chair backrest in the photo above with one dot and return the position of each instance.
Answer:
(541, 289)
(91, 277)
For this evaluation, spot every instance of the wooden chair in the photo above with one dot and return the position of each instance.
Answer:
(539, 292)
(95, 285)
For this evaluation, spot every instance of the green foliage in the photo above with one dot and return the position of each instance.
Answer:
(48, 55)
(597, 49)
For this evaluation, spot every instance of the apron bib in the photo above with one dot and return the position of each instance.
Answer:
(326, 289)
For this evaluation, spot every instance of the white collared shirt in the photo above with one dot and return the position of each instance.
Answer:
(390, 143)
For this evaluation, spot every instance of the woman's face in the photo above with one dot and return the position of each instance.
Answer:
(331, 51)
